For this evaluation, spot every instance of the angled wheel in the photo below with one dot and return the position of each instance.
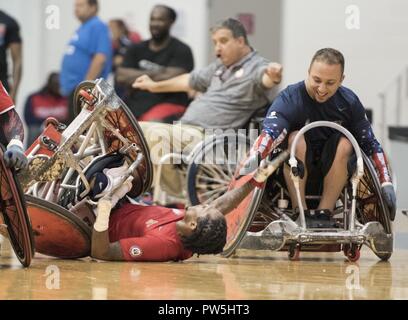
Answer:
(371, 205)
(13, 209)
(124, 122)
(83, 96)
(58, 232)
(212, 168)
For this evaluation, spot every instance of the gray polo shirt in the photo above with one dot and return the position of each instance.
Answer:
(231, 95)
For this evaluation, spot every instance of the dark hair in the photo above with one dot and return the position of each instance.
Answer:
(122, 25)
(235, 26)
(47, 85)
(93, 3)
(209, 237)
(171, 13)
(329, 56)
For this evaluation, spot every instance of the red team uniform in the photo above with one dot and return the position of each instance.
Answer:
(6, 103)
(147, 233)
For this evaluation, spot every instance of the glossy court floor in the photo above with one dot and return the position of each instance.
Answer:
(249, 275)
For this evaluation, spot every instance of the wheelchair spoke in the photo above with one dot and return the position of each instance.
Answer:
(212, 193)
(214, 170)
(209, 179)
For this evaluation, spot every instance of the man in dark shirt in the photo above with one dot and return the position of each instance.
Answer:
(10, 39)
(161, 57)
(324, 151)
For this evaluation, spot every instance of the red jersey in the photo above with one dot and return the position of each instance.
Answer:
(147, 233)
(5, 101)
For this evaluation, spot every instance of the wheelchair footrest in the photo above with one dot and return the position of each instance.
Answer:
(320, 219)
(280, 233)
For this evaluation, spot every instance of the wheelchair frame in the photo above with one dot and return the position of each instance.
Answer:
(90, 134)
(377, 235)
(280, 231)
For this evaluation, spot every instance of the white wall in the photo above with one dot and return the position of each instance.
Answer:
(267, 15)
(375, 54)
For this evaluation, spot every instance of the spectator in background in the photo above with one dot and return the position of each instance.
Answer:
(10, 40)
(233, 87)
(89, 52)
(162, 57)
(122, 38)
(48, 102)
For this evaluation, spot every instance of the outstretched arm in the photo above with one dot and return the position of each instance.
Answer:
(230, 200)
(177, 84)
(272, 75)
(128, 76)
(101, 247)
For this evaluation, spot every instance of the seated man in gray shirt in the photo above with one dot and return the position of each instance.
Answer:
(237, 84)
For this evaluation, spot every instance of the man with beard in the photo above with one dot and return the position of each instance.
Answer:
(161, 57)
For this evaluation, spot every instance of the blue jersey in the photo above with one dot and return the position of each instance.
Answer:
(92, 37)
(293, 108)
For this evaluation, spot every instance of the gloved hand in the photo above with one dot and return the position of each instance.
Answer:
(15, 157)
(388, 193)
(262, 146)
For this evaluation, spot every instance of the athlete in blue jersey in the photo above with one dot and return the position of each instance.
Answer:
(325, 151)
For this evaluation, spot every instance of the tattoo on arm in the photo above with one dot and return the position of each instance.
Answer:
(103, 249)
(230, 200)
(11, 126)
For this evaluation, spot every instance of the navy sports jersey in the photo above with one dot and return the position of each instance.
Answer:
(294, 108)
(139, 56)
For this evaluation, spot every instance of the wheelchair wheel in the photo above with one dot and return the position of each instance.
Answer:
(370, 203)
(58, 232)
(212, 168)
(13, 208)
(79, 100)
(240, 219)
(125, 122)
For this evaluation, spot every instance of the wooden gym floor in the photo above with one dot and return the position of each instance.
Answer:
(249, 275)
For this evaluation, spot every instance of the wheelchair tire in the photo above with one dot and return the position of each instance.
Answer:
(13, 208)
(206, 182)
(116, 118)
(84, 85)
(371, 205)
(59, 232)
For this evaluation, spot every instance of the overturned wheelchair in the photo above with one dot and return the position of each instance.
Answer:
(263, 221)
(66, 165)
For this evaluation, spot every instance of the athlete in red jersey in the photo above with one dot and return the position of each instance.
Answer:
(11, 131)
(152, 233)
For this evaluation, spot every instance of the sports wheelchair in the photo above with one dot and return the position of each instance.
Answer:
(57, 182)
(263, 221)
